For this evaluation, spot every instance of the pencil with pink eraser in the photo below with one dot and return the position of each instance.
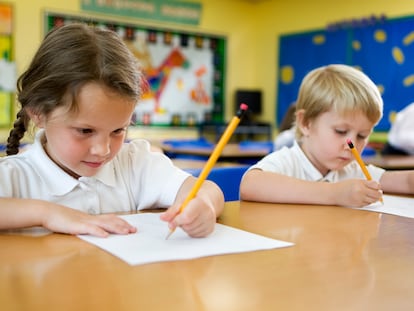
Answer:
(360, 162)
(213, 157)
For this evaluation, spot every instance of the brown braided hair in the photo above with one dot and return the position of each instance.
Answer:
(69, 57)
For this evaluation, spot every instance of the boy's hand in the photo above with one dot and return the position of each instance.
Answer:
(358, 192)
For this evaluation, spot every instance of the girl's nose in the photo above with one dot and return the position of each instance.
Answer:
(101, 147)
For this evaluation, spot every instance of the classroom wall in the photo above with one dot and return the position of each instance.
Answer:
(251, 27)
(285, 17)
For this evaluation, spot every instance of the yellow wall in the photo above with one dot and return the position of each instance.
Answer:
(251, 27)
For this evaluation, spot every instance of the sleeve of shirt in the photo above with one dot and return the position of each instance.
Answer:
(375, 171)
(17, 178)
(280, 161)
(7, 173)
(154, 179)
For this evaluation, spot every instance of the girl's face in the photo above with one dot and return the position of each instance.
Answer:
(324, 139)
(82, 142)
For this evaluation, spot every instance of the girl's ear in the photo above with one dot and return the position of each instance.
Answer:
(301, 123)
(36, 118)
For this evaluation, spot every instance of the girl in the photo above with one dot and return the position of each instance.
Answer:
(335, 103)
(80, 90)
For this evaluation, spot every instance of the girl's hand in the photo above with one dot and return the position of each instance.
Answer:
(197, 219)
(358, 192)
(200, 214)
(66, 220)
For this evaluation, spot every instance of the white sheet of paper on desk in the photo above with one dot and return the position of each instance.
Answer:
(395, 205)
(149, 245)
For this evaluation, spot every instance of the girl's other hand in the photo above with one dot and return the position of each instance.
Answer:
(66, 220)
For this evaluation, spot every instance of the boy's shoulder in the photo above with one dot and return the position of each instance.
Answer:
(283, 160)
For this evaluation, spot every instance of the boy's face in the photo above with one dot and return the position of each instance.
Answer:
(82, 142)
(324, 139)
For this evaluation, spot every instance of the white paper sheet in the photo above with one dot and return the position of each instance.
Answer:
(149, 245)
(395, 205)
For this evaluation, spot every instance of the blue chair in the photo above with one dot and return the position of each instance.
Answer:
(199, 143)
(227, 178)
(248, 144)
(254, 145)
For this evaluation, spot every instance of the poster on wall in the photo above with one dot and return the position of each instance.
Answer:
(184, 71)
(180, 75)
(7, 66)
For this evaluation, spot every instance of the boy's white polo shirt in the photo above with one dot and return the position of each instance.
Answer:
(135, 179)
(293, 162)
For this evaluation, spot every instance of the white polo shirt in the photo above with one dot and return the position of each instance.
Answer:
(135, 179)
(401, 134)
(293, 162)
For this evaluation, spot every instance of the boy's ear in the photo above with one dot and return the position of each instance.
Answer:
(36, 118)
(301, 123)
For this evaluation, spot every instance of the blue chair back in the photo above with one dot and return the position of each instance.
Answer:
(199, 143)
(227, 178)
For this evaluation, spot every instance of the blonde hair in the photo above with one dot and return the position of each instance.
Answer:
(339, 88)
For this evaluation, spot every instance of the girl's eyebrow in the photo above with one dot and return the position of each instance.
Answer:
(125, 127)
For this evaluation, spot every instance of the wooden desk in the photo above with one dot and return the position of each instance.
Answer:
(243, 131)
(231, 152)
(343, 259)
(391, 162)
(199, 164)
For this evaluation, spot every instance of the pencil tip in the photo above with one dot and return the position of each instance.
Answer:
(169, 234)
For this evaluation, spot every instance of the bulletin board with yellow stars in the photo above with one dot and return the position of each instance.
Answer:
(383, 50)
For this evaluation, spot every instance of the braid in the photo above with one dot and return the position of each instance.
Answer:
(16, 133)
(69, 57)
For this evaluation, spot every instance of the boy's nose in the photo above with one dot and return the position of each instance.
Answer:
(349, 143)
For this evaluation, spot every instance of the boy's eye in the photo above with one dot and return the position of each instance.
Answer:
(362, 137)
(340, 132)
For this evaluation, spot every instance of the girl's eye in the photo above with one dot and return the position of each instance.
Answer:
(362, 137)
(84, 131)
(119, 131)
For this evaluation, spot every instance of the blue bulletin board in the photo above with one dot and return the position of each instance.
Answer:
(383, 50)
(185, 71)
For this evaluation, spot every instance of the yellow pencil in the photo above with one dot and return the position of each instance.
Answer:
(213, 158)
(360, 162)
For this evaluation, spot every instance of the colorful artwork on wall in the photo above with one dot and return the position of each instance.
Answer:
(5, 19)
(7, 66)
(185, 71)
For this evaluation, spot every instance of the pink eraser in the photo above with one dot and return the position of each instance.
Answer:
(243, 106)
(349, 142)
